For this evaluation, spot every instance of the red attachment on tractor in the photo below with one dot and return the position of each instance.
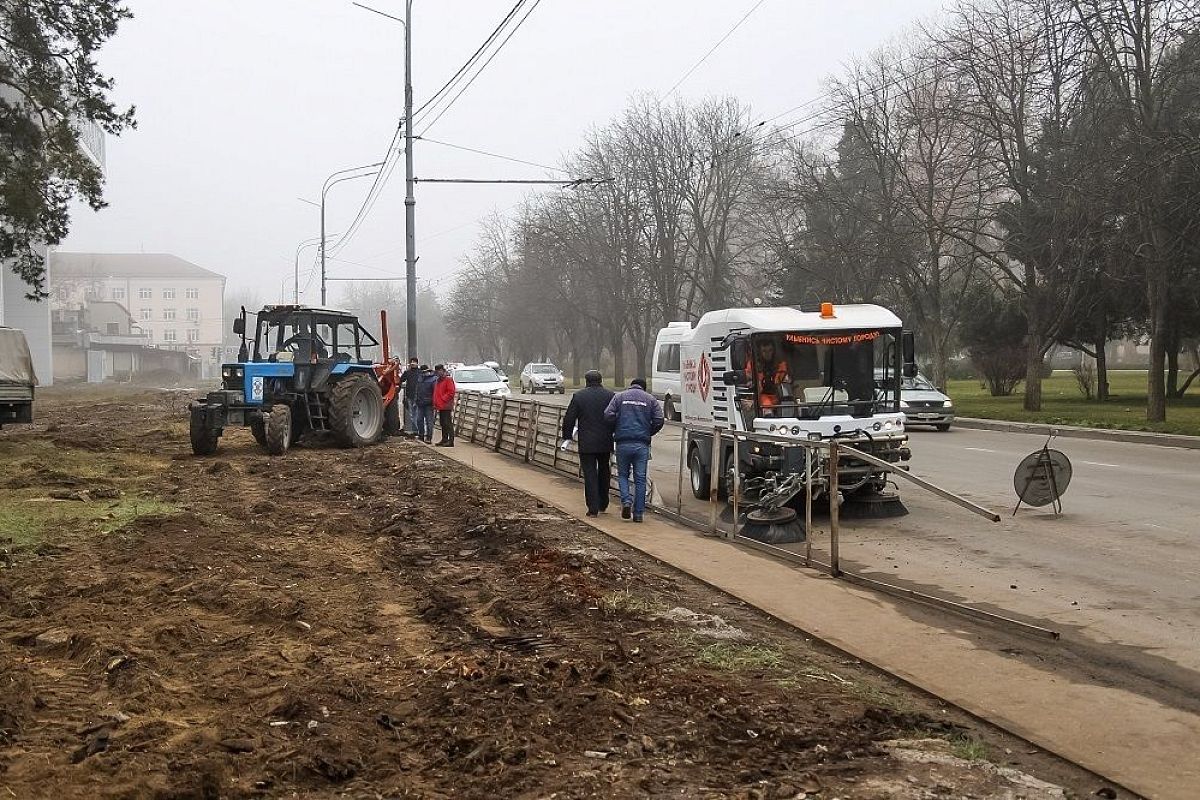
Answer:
(387, 372)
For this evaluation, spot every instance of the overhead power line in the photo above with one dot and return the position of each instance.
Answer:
(493, 155)
(484, 66)
(713, 49)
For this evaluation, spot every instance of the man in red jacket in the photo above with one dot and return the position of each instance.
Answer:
(443, 403)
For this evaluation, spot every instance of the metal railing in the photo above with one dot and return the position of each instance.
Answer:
(531, 431)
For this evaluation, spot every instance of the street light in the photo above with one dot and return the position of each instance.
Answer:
(329, 183)
(410, 201)
(316, 240)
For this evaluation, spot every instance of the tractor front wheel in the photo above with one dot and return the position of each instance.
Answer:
(258, 429)
(279, 430)
(204, 436)
(356, 411)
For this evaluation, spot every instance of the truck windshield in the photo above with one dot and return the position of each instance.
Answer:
(809, 374)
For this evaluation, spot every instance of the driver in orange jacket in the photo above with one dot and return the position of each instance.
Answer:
(771, 373)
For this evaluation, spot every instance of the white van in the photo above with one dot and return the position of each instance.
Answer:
(664, 381)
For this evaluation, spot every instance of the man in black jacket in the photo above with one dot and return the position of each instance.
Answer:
(408, 382)
(585, 418)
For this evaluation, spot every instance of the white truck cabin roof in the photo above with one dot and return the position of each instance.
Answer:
(789, 318)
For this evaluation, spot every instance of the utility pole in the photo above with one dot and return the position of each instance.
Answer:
(410, 202)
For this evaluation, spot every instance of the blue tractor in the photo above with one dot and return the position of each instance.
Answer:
(303, 371)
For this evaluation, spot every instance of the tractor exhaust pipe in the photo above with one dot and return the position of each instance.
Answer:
(387, 351)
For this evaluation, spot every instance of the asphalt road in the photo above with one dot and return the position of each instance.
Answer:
(1118, 572)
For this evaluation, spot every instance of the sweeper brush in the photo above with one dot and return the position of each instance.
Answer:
(773, 526)
(872, 505)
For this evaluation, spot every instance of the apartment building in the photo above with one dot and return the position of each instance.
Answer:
(176, 304)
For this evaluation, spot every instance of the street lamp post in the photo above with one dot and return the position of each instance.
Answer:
(329, 183)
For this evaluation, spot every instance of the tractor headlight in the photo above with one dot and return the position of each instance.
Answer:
(948, 404)
(232, 372)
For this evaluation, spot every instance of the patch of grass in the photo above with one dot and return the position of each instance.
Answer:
(130, 509)
(30, 521)
(626, 602)
(734, 657)
(1062, 404)
(969, 749)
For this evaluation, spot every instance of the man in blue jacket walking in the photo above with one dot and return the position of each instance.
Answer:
(636, 415)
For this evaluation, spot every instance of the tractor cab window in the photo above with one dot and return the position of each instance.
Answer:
(347, 342)
(812, 374)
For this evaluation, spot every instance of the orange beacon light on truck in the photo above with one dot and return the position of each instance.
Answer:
(826, 310)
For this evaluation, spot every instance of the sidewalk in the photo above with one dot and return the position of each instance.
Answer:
(1074, 432)
(1141, 744)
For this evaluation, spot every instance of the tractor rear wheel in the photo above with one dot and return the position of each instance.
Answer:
(279, 430)
(204, 437)
(356, 411)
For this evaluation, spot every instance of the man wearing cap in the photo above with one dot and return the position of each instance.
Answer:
(585, 421)
(636, 415)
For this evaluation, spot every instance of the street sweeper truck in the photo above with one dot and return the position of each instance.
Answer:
(787, 376)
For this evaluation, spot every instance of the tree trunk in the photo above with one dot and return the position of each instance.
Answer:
(640, 352)
(1156, 389)
(1101, 370)
(1033, 375)
(617, 348)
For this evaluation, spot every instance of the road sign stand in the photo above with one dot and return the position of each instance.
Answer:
(1042, 465)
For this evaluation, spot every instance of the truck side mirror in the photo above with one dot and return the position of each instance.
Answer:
(908, 346)
(735, 377)
(239, 326)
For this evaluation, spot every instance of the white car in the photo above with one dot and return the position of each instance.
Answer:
(922, 403)
(480, 378)
(544, 376)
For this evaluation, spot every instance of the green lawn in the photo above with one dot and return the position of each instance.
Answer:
(1063, 404)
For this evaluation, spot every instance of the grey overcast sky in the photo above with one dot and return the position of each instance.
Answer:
(246, 105)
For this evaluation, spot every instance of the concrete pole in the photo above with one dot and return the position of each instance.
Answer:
(410, 202)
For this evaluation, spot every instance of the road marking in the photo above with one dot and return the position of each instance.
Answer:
(979, 449)
(1100, 464)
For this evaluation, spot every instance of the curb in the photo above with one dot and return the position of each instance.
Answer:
(1073, 432)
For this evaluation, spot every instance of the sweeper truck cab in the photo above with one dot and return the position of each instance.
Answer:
(788, 374)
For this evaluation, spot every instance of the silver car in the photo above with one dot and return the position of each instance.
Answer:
(543, 377)
(922, 403)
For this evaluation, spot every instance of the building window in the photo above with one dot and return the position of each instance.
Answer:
(118, 294)
(191, 294)
(168, 294)
(145, 314)
(168, 336)
(168, 313)
(216, 352)
(193, 314)
(112, 328)
(145, 294)
(193, 336)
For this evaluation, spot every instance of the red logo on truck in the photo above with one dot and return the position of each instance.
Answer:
(705, 376)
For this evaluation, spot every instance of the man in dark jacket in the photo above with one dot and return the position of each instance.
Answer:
(424, 401)
(585, 419)
(408, 381)
(636, 415)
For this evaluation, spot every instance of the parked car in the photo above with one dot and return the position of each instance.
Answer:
(664, 381)
(17, 379)
(499, 369)
(544, 377)
(922, 402)
(480, 378)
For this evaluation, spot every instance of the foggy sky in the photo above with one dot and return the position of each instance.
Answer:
(246, 105)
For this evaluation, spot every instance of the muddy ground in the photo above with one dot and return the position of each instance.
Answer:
(384, 623)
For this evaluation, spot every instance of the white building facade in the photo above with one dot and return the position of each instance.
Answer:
(175, 303)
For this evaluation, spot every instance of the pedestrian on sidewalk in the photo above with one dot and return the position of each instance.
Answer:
(408, 381)
(585, 422)
(636, 415)
(443, 403)
(423, 417)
